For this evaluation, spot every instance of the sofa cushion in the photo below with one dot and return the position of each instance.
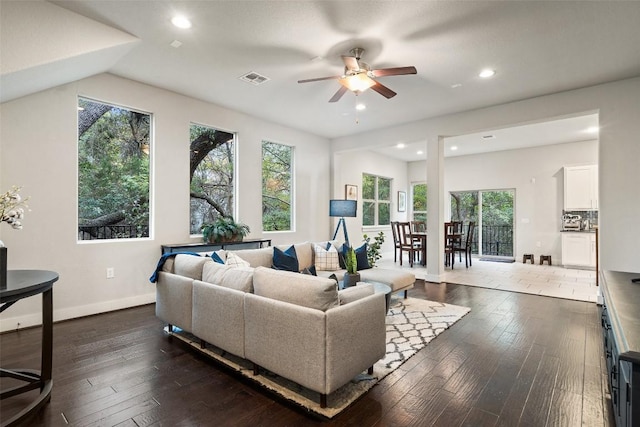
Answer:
(240, 279)
(189, 265)
(355, 293)
(300, 289)
(326, 259)
(234, 260)
(212, 272)
(256, 257)
(286, 260)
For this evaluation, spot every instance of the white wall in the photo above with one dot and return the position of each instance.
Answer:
(538, 205)
(39, 153)
(348, 169)
(618, 156)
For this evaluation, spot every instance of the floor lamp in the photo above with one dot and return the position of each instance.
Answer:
(342, 209)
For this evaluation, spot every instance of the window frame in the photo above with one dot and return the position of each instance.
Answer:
(413, 211)
(376, 202)
(292, 187)
(151, 178)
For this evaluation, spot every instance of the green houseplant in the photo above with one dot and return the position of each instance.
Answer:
(373, 249)
(351, 277)
(224, 229)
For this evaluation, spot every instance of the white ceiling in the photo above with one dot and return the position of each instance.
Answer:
(535, 47)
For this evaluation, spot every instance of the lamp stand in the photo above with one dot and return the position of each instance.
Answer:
(344, 227)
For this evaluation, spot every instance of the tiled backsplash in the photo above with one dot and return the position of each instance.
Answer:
(592, 216)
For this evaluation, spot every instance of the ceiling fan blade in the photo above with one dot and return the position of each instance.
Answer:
(319, 79)
(336, 97)
(397, 71)
(350, 62)
(383, 90)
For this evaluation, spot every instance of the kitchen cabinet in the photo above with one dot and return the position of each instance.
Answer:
(621, 339)
(578, 249)
(580, 188)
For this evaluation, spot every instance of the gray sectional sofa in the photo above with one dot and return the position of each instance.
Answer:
(298, 326)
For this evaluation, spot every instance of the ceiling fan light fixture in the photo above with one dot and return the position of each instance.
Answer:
(357, 82)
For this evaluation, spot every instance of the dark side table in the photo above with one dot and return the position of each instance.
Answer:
(22, 284)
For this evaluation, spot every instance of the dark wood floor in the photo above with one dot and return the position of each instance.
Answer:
(515, 360)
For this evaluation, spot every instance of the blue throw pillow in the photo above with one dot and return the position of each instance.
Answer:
(216, 258)
(361, 257)
(285, 260)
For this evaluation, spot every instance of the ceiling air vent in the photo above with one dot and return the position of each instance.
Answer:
(254, 78)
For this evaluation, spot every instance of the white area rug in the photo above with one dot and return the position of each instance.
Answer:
(411, 324)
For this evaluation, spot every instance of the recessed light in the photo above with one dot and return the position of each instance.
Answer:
(400, 145)
(419, 152)
(485, 74)
(454, 147)
(181, 21)
(592, 129)
(361, 107)
(455, 86)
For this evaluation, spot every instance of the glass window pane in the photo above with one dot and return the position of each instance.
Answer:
(420, 197)
(113, 171)
(368, 187)
(384, 189)
(276, 186)
(211, 172)
(368, 213)
(384, 215)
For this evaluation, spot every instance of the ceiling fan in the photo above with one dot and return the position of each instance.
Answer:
(358, 76)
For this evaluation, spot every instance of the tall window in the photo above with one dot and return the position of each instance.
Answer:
(376, 200)
(211, 169)
(419, 202)
(277, 172)
(113, 171)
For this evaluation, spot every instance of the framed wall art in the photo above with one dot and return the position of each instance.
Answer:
(402, 201)
(351, 192)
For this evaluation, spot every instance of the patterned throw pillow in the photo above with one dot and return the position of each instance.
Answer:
(234, 260)
(326, 259)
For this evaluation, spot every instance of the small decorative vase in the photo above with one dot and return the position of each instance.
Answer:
(350, 279)
(3, 267)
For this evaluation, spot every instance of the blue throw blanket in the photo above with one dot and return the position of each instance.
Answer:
(163, 259)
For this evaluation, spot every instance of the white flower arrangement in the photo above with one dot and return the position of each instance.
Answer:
(12, 208)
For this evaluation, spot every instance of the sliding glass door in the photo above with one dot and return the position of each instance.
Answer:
(493, 212)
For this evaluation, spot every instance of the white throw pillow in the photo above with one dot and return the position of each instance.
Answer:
(234, 260)
(326, 260)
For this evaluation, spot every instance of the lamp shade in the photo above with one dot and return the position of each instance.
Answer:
(342, 208)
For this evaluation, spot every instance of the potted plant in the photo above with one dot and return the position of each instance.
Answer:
(373, 249)
(224, 229)
(351, 277)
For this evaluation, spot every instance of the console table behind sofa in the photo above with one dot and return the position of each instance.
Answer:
(206, 247)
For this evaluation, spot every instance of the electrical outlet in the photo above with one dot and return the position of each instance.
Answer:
(110, 273)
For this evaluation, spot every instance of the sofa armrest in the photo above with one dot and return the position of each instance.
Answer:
(174, 295)
(286, 339)
(356, 338)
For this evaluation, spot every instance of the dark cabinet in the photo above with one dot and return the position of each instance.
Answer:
(621, 339)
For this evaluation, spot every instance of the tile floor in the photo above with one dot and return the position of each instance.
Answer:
(552, 281)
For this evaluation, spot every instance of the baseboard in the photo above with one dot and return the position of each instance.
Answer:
(35, 319)
(433, 278)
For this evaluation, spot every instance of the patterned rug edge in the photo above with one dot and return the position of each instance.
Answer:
(341, 399)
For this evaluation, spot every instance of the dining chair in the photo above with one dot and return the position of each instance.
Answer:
(452, 240)
(396, 241)
(419, 226)
(407, 242)
(466, 247)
